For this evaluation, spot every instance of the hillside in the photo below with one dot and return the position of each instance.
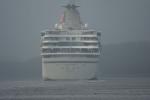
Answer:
(128, 59)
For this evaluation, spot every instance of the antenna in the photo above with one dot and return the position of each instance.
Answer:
(72, 2)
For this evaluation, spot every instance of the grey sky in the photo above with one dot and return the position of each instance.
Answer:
(22, 20)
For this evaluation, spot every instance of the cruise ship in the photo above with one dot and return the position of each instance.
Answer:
(70, 51)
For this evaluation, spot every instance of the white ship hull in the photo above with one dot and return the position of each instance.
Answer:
(69, 71)
(70, 51)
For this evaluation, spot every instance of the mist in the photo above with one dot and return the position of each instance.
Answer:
(22, 21)
(120, 21)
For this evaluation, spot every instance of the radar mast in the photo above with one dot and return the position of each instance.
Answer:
(72, 2)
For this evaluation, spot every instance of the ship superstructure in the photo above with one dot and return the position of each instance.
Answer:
(71, 50)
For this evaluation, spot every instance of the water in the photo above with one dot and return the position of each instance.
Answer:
(106, 89)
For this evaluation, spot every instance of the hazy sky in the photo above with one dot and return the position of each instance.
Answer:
(22, 20)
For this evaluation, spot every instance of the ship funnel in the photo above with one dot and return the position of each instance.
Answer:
(70, 19)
